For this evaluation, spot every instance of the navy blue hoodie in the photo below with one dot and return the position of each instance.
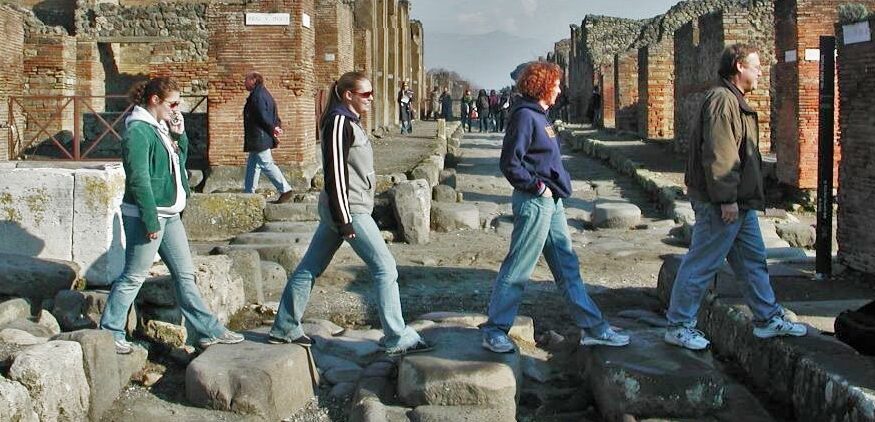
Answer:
(530, 157)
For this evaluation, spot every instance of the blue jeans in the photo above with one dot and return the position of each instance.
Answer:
(741, 243)
(172, 246)
(540, 226)
(406, 127)
(259, 161)
(370, 247)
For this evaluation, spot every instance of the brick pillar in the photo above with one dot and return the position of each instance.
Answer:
(626, 90)
(383, 91)
(284, 55)
(49, 70)
(656, 91)
(418, 65)
(364, 62)
(11, 78)
(856, 173)
(609, 109)
(394, 69)
(334, 41)
(366, 45)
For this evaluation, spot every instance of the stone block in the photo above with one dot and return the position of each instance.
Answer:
(163, 333)
(429, 170)
(98, 235)
(246, 264)
(443, 193)
(36, 278)
(253, 378)
(35, 207)
(54, 375)
(412, 204)
(616, 215)
(724, 284)
(304, 211)
(652, 378)
(273, 280)
(222, 216)
(42, 325)
(20, 337)
(287, 256)
(80, 309)
(358, 350)
(797, 235)
(462, 414)
(15, 402)
(230, 178)
(450, 216)
(268, 238)
(289, 227)
(385, 182)
(131, 364)
(523, 327)
(459, 372)
(448, 177)
(101, 368)
(13, 309)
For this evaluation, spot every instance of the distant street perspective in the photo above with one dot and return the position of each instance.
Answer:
(406, 211)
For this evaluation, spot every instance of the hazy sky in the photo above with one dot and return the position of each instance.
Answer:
(543, 20)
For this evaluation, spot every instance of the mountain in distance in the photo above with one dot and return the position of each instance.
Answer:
(484, 59)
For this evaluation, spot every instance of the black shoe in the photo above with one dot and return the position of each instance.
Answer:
(302, 341)
(284, 197)
(419, 347)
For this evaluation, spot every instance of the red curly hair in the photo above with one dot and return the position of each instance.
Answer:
(538, 78)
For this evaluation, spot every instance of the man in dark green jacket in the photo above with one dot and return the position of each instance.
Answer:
(724, 182)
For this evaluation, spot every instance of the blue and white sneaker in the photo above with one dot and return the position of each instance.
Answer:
(499, 343)
(608, 338)
(779, 325)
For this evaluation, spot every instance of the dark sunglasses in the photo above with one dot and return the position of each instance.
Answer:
(173, 104)
(366, 95)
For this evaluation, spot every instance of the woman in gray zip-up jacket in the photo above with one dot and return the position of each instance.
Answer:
(345, 207)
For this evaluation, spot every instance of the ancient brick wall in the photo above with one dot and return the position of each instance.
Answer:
(288, 70)
(334, 41)
(49, 70)
(12, 62)
(417, 63)
(857, 174)
(606, 82)
(697, 49)
(626, 90)
(364, 62)
(656, 91)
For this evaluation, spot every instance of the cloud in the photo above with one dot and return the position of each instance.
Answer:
(529, 7)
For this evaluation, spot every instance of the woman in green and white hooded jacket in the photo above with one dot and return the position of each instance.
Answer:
(154, 151)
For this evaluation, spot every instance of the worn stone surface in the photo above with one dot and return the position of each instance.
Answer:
(358, 350)
(289, 226)
(131, 364)
(273, 278)
(523, 327)
(448, 177)
(449, 216)
(20, 337)
(98, 247)
(429, 170)
(332, 328)
(80, 309)
(164, 333)
(15, 402)
(253, 377)
(246, 264)
(305, 211)
(388, 181)
(443, 193)
(224, 178)
(429, 413)
(36, 278)
(616, 215)
(798, 235)
(13, 309)
(220, 216)
(36, 204)
(287, 256)
(53, 374)
(270, 238)
(412, 205)
(42, 325)
(459, 372)
(101, 368)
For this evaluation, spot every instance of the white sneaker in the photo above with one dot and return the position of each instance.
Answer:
(122, 347)
(686, 337)
(608, 338)
(779, 325)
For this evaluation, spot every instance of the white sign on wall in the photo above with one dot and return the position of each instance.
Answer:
(812, 54)
(329, 57)
(268, 19)
(305, 20)
(858, 32)
(789, 56)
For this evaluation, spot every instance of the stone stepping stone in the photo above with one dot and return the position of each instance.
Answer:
(650, 377)
(461, 414)
(289, 226)
(459, 371)
(443, 193)
(358, 350)
(523, 327)
(37, 278)
(286, 255)
(447, 216)
(270, 238)
(303, 211)
(616, 215)
(252, 377)
(273, 280)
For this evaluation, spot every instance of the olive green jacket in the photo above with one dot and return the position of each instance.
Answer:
(724, 165)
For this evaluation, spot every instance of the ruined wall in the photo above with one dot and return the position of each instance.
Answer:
(334, 41)
(12, 63)
(609, 109)
(49, 70)
(626, 90)
(417, 63)
(697, 49)
(656, 91)
(857, 174)
(289, 75)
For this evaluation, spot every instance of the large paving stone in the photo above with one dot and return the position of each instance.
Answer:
(273, 280)
(446, 216)
(289, 227)
(429, 170)
(101, 368)
(462, 414)
(81, 309)
(253, 377)
(220, 216)
(443, 193)
(15, 402)
(42, 325)
(523, 327)
(54, 376)
(652, 378)
(13, 309)
(36, 204)
(230, 178)
(269, 238)
(36, 278)
(797, 235)
(448, 177)
(98, 247)
(130, 364)
(358, 350)
(20, 337)
(285, 255)
(412, 204)
(459, 372)
(303, 211)
(724, 284)
(246, 264)
(616, 215)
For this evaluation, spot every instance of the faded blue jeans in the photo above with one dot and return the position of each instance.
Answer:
(371, 248)
(741, 243)
(172, 246)
(263, 161)
(540, 226)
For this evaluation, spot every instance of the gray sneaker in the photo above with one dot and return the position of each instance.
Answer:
(500, 343)
(686, 337)
(608, 338)
(228, 337)
(779, 325)
(123, 347)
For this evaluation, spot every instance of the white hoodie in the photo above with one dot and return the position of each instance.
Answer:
(131, 210)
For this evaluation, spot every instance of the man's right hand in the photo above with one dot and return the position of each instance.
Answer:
(152, 236)
(277, 131)
(729, 212)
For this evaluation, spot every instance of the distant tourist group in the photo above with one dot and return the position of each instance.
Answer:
(723, 177)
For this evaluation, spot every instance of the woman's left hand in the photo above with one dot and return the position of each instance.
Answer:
(177, 123)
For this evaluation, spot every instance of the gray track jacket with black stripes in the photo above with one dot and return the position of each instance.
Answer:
(348, 162)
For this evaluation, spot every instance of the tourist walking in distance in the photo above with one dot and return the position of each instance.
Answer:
(501, 114)
(724, 181)
(435, 100)
(262, 128)
(594, 111)
(494, 108)
(532, 163)
(446, 105)
(154, 150)
(405, 98)
(483, 110)
(467, 109)
(345, 206)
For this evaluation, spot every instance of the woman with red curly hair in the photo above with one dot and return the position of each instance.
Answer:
(532, 163)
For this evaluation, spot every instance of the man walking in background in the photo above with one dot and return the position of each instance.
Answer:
(262, 128)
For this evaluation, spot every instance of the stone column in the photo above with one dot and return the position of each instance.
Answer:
(626, 90)
(11, 78)
(656, 91)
